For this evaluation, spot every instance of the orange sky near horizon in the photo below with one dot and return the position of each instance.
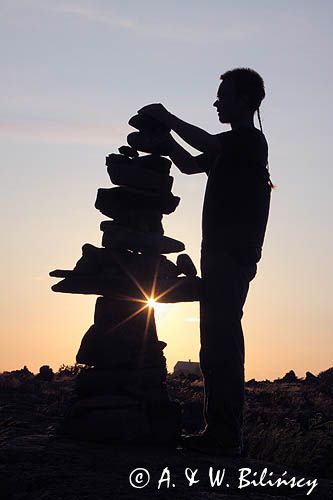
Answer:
(72, 74)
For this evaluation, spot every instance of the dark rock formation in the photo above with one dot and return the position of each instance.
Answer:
(310, 378)
(112, 202)
(128, 151)
(118, 236)
(121, 393)
(290, 377)
(153, 162)
(129, 175)
(147, 123)
(159, 143)
(185, 265)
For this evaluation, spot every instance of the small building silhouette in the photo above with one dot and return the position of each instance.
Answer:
(187, 368)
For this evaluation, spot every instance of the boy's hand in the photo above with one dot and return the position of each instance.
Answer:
(157, 111)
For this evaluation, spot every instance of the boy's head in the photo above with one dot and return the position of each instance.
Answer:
(240, 92)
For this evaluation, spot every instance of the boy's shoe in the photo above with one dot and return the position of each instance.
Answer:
(203, 443)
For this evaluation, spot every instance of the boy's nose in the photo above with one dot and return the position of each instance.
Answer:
(215, 104)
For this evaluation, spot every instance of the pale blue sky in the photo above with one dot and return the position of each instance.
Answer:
(73, 72)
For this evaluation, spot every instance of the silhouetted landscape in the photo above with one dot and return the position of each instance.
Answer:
(288, 425)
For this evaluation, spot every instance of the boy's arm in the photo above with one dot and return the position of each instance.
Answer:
(194, 136)
(187, 163)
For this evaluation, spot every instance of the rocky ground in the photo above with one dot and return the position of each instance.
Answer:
(288, 428)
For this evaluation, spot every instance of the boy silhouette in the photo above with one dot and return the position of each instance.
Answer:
(234, 219)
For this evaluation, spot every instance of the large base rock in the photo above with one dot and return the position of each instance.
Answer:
(120, 338)
(125, 420)
(144, 384)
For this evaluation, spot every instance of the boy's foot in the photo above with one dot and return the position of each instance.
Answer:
(203, 443)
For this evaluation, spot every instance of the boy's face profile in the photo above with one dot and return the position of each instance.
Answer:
(229, 105)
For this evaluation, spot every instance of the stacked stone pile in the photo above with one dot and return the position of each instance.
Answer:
(121, 393)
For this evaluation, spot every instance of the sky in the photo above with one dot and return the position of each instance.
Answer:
(73, 73)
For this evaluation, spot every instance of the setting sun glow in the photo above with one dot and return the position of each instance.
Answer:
(151, 302)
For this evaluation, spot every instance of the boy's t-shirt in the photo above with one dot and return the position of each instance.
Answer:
(237, 196)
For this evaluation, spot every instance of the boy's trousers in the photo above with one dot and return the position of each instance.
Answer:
(225, 284)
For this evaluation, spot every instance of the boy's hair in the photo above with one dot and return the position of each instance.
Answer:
(247, 82)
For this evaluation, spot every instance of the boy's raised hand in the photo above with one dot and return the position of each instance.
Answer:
(157, 111)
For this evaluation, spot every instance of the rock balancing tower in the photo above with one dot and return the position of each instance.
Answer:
(121, 393)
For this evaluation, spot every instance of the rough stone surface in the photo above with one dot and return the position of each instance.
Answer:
(117, 236)
(112, 202)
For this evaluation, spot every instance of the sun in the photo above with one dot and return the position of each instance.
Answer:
(151, 302)
(159, 308)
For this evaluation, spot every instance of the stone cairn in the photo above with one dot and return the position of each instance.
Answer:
(121, 393)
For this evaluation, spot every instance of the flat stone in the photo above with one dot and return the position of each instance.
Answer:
(142, 220)
(153, 162)
(99, 263)
(167, 290)
(98, 285)
(117, 236)
(159, 143)
(91, 262)
(185, 265)
(61, 273)
(112, 202)
(115, 159)
(141, 178)
(140, 266)
(128, 151)
(147, 123)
